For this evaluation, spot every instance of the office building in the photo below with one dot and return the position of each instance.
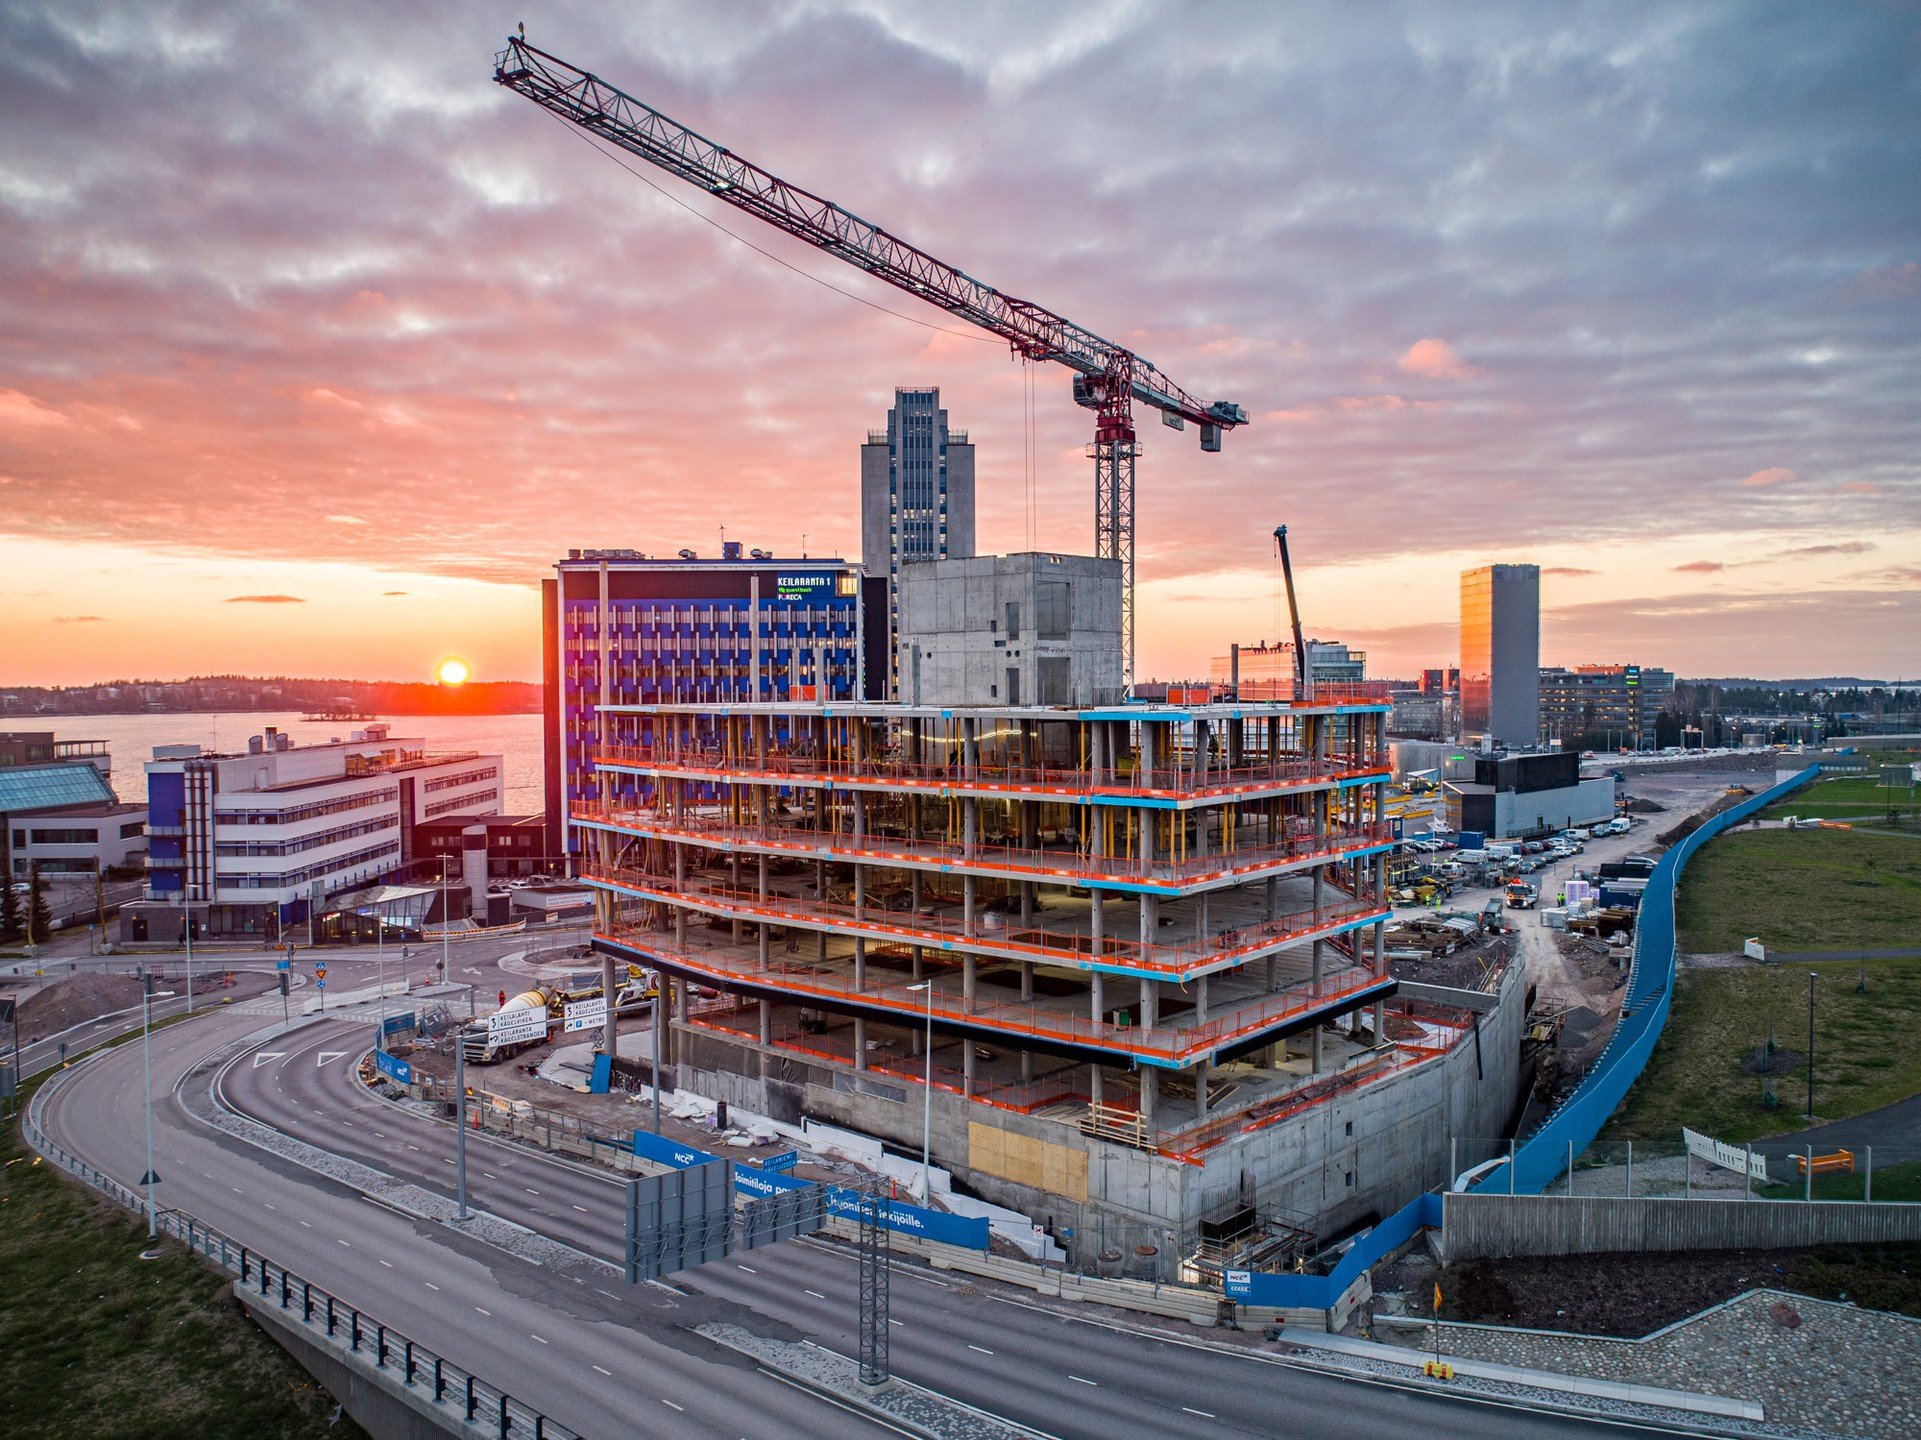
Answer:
(1522, 797)
(1501, 654)
(1028, 629)
(1604, 707)
(514, 845)
(59, 813)
(251, 844)
(916, 491)
(623, 628)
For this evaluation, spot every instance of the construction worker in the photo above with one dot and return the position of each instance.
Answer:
(503, 1000)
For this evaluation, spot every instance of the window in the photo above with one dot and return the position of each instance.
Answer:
(64, 837)
(130, 831)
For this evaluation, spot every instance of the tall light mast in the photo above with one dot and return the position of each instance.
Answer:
(1108, 378)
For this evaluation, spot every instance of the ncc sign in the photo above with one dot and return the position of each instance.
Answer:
(394, 1068)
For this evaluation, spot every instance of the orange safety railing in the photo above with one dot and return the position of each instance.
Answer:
(1163, 782)
(1035, 863)
(1175, 1044)
(1181, 960)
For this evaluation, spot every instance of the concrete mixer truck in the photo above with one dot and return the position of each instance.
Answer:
(534, 1016)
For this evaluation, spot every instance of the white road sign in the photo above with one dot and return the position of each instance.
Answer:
(584, 1014)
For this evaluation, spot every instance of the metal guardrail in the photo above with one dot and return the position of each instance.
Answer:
(458, 1391)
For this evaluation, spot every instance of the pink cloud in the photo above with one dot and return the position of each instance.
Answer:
(1435, 359)
(1699, 567)
(1860, 487)
(1773, 475)
(20, 411)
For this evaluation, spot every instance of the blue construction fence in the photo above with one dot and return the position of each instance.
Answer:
(1543, 1157)
(968, 1232)
(1323, 1292)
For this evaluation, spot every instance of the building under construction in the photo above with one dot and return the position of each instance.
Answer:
(1146, 943)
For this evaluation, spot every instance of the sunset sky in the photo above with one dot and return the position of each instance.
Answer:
(317, 346)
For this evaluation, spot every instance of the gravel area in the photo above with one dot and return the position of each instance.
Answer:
(1816, 1367)
(904, 1403)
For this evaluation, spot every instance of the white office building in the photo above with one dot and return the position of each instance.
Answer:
(251, 843)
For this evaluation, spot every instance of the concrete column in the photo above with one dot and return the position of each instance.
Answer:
(1027, 979)
(680, 886)
(1200, 1092)
(1027, 1066)
(860, 1043)
(967, 905)
(1380, 1022)
(1150, 1095)
(766, 1022)
(1315, 1052)
(1098, 997)
(1094, 1085)
(968, 966)
(1150, 1002)
(967, 1066)
(1096, 915)
(1150, 919)
(1200, 998)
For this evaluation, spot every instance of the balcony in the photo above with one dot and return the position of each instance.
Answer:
(928, 928)
(1163, 784)
(1187, 1032)
(1062, 864)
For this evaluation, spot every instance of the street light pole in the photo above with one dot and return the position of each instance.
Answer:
(1811, 979)
(460, 1120)
(146, 1065)
(445, 918)
(187, 930)
(927, 1093)
(380, 973)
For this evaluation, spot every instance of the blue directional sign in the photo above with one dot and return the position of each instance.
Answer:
(283, 964)
(394, 1068)
(786, 1160)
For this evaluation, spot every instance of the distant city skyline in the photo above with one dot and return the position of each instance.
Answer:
(1495, 287)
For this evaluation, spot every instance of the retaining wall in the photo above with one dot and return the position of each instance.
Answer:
(1481, 1225)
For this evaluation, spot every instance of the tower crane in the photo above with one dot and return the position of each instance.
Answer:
(1108, 378)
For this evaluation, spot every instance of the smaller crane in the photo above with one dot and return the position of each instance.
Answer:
(1303, 673)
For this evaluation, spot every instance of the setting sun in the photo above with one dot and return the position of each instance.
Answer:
(453, 671)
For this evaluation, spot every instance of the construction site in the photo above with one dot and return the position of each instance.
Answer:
(1118, 966)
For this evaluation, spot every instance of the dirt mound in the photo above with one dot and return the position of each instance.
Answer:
(79, 997)
(1637, 806)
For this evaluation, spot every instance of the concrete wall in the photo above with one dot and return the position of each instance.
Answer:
(1355, 1157)
(1053, 621)
(375, 1398)
(1480, 1225)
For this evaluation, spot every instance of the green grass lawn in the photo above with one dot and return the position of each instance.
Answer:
(1802, 890)
(100, 1343)
(1849, 797)
(1865, 1053)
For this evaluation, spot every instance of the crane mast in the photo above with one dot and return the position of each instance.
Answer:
(1108, 378)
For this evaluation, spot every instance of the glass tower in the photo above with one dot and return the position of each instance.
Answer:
(1501, 653)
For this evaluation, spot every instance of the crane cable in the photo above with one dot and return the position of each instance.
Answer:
(593, 144)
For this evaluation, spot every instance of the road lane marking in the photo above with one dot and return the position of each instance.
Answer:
(982, 1348)
(815, 1293)
(388, 1263)
(536, 1337)
(263, 1202)
(1094, 1383)
(581, 1208)
(490, 1174)
(262, 1057)
(236, 1189)
(430, 1284)
(327, 1056)
(1205, 1415)
(671, 1405)
(892, 1321)
(748, 1268)
(608, 1373)
(488, 1313)
(608, 1293)
(349, 1246)
(305, 1226)
(530, 1189)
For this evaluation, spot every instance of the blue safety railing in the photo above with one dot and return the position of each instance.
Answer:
(1543, 1157)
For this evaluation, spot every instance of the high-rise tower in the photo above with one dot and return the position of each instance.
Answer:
(916, 492)
(1501, 653)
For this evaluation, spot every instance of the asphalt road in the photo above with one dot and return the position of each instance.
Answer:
(1071, 1378)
